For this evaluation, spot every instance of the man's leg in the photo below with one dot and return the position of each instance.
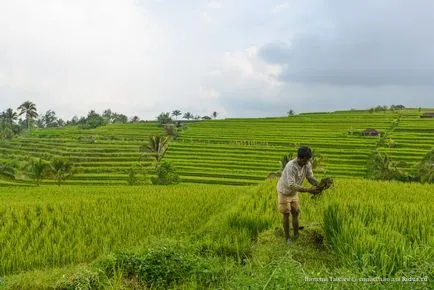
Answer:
(295, 211)
(286, 225)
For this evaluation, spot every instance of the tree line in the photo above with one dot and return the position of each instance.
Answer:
(26, 117)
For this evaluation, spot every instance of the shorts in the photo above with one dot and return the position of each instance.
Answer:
(287, 203)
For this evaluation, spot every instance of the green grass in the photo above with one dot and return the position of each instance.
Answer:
(215, 236)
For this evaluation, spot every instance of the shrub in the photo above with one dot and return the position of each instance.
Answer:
(132, 178)
(166, 174)
(425, 168)
(171, 130)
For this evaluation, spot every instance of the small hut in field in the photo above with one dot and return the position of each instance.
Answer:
(427, 115)
(370, 132)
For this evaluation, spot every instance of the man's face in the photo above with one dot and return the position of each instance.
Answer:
(303, 161)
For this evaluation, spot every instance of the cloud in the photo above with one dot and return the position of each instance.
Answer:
(214, 4)
(280, 7)
(143, 57)
(76, 52)
(362, 43)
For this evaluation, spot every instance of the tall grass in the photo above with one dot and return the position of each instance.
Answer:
(47, 227)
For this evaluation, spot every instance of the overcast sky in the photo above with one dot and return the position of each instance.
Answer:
(241, 58)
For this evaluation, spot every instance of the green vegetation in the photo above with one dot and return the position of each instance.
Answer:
(208, 236)
(204, 233)
(233, 151)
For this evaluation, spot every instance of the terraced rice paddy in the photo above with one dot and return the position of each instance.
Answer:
(232, 151)
(356, 229)
(53, 237)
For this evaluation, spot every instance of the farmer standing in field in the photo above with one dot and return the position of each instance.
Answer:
(289, 186)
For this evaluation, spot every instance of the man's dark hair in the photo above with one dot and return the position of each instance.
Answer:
(304, 152)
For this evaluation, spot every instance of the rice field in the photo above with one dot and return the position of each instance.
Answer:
(358, 228)
(368, 228)
(231, 151)
(51, 227)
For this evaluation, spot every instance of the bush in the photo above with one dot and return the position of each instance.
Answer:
(425, 168)
(171, 130)
(381, 167)
(163, 265)
(166, 174)
(132, 178)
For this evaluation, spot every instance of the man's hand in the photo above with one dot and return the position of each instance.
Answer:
(314, 190)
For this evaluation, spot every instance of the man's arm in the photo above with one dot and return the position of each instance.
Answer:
(295, 187)
(309, 176)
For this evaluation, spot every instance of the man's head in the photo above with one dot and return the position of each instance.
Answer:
(304, 154)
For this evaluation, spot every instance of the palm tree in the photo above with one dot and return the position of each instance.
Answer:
(214, 114)
(176, 113)
(29, 109)
(38, 168)
(188, 116)
(10, 116)
(156, 147)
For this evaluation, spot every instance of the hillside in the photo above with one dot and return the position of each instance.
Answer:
(232, 151)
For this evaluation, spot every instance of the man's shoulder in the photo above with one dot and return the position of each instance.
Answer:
(290, 165)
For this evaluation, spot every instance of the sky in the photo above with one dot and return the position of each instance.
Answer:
(239, 58)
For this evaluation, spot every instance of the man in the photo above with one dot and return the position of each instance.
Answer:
(289, 186)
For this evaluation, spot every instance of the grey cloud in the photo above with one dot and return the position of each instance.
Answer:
(362, 43)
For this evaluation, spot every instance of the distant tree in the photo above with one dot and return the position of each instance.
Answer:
(61, 169)
(176, 113)
(107, 115)
(60, 122)
(49, 119)
(29, 110)
(188, 116)
(38, 168)
(119, 118)
(397, 107)
(156, 147)
(206, 118)
(10, 117)
(74, 120)
(93, 120)
(164, 118)
(40, 123)
(135, 119)
(8, 126)
(197, 117)
(214, 114)
(291, 112)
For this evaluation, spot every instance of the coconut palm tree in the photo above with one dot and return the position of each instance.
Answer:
(156, 147)
(29, 109)
(176, 113)
(188, 116)
(10, 116)
(214, 114)
(38, 167)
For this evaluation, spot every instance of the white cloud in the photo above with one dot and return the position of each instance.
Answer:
(84, 52)
(247, 65)
(205, 17)
(214, 4)
(280, 7)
